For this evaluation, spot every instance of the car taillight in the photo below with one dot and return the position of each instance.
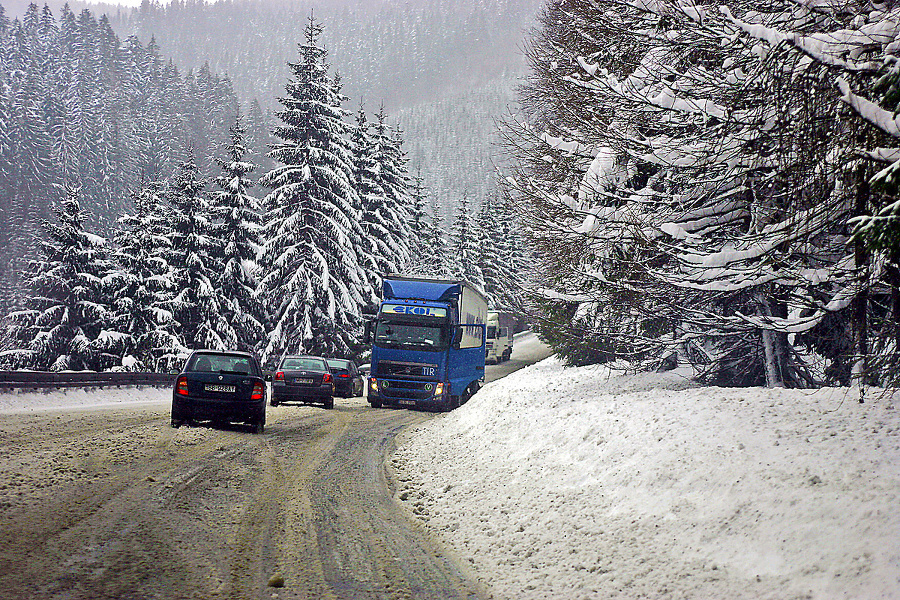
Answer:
(259, 391)
(326, 378)
(279, 376)
(343, 375)
(181, 387)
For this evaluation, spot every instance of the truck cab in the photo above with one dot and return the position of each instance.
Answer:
(499, 336)
(428, 344)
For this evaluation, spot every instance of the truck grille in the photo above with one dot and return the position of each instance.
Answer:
(389, 368)
(408, 389)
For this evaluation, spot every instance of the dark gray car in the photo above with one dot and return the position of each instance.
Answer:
(304, 379)
(348, 383)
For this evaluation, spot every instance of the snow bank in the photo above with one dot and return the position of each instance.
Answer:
(574, 483)
(19, 401)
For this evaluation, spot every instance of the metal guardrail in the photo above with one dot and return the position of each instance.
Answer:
(44, 379)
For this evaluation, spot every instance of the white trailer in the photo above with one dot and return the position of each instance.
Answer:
(499, 342)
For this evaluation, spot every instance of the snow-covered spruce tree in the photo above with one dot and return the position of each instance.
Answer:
(464, 245)
(311, 279)
(418, 214)
(237, 227)
(141, 285)
(195, 258)
(393, 177)
(68, 323)
(427, 246)
(487, 252)
(375, 239)
(435, 259)
(501, 265)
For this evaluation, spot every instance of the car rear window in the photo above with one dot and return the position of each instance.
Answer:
(214, 363)
(312, 364)
(340, 365)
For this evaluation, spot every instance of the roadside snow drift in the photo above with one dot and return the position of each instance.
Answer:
(574, 483)
(25, 401)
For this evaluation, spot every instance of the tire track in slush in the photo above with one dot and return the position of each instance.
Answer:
(142, 511)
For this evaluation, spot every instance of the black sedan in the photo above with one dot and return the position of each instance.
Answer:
(303, 379)
(348, 382)
(222, 387)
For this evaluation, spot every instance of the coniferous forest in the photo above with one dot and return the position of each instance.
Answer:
(150, 214)
(672, 182)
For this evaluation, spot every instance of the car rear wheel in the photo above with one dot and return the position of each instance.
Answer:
(274, 401)
(259, 427)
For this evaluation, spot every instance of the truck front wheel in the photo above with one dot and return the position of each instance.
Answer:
(470, 391)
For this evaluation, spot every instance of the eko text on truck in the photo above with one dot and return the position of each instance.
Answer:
(428, 343)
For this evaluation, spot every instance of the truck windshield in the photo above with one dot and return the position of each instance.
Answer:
(408, 335)
(492, 332)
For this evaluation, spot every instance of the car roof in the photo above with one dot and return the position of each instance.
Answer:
(302, 356)
(224, 353)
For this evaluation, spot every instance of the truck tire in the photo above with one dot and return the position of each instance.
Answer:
(375, 403)
(470, 391)
(455, 402)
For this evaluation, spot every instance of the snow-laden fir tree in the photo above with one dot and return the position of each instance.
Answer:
(464, 245)
(392, 176)
(311, 280)
(378, 253)
(435, 259)
(68, 324)
(427, 252)
(237, 227)
(496, 258)
(195, 258)
(141, 285)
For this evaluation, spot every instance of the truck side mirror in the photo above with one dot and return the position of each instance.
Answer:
(457, 336)
(368, 332)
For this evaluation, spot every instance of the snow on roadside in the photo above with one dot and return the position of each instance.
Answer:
(22, 401)
(575, 483)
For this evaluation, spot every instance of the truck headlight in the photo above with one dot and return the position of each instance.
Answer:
(373, 384)
(438, 390)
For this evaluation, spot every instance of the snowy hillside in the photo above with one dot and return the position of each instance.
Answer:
(572, 483)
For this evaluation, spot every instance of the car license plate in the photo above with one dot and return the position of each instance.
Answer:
(407, 402)
(209, 387)
(301, 380)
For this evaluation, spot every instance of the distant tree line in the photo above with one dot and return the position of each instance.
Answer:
(716, 182)
(189, 254)
(444, 69)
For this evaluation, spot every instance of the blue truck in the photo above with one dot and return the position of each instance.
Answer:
(428, 343)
